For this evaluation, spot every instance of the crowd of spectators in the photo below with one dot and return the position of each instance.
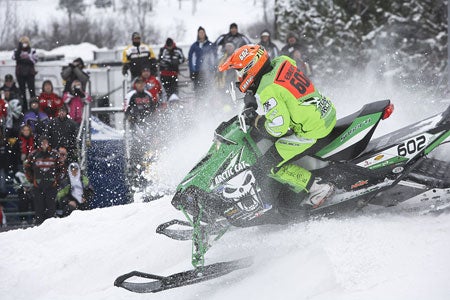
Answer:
(38, 135)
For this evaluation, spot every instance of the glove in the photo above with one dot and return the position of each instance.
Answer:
(250, 101)
(125, 70)
(194, 75)
(250, 116)
(79, 93)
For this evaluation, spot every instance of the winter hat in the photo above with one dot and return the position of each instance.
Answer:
(135, 35)
(290, 35)
(74, 165)
(9, 77)
(233, 25)
(34, 100)
(265, 32)
(80, 62)
(201, 28)
(169, 42)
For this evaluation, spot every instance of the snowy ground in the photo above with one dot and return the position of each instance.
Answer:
(365, 257)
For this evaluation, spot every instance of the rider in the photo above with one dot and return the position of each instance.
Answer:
(296, 115)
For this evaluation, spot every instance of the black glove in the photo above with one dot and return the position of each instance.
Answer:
(125, 70)
(194, 76)
(250, 101)
(250, 116)
(78, 92)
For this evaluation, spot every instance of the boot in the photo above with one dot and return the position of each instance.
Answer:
(318, 194)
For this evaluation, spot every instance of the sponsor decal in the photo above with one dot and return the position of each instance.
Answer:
(359, 184)
(230, 172)
(378, 157)
(397, 170)
(355, 128)
(243, 54)
(269, 104)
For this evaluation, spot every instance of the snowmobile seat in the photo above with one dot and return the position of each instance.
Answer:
(353, 149)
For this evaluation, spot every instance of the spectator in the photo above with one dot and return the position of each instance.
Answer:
(137, 56)
(139, 108)
(224, 78)
(75, 192)
(14, 114)
(139, 104)
(4, 164)
(26, 58)
(62, 132)
(49, 102)
(9, 154)
(23, 188)
(75, 99)
(36, 119)
(10, 83)
(202, 59)
(3, 111)
(74, 71)
(2, 217)
(26, 139)
(41, 168)
(292, 44)
(63, 164)
(170, 58)
(270, 47)
(233, 36)
(151, 84)
(301, 64)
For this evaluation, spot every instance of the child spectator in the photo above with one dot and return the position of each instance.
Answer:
(49, 102)
(75, 192)
(14, 114)
(151, 84)
(75, 100)
(139, 104)
(26, 139)
(36, 119)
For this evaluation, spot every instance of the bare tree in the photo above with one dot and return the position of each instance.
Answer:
(139, 12)
(72, 8)
(10, 28)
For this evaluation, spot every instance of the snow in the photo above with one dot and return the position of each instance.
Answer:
(384, 256)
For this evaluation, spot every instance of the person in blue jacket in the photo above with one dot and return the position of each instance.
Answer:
(202, 61)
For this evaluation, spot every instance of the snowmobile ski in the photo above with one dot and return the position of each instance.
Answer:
(160, 283)
(183, 230)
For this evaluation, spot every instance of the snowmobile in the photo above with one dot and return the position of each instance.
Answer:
(228, 188)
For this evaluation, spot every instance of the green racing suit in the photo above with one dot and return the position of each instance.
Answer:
(291, 103)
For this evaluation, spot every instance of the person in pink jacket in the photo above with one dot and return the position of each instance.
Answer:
(75, 100)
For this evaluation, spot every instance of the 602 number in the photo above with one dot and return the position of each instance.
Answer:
(411, 146)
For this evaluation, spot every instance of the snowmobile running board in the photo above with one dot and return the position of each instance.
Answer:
(161, 283)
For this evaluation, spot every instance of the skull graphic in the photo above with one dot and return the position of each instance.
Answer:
(242, 190)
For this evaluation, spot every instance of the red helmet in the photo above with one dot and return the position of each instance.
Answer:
(248, 60)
